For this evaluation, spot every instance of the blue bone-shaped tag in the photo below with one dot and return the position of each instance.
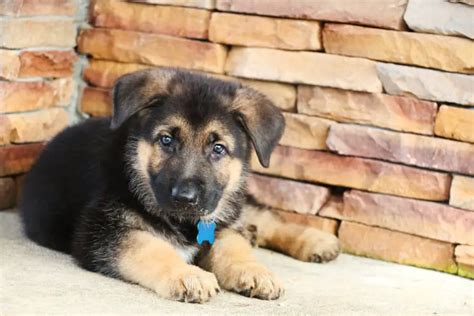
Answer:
(205, 232)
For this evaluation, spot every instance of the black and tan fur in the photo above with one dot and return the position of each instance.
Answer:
(125, 202)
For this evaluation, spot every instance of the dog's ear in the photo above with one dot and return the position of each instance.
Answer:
(261, 120)
(138, 90)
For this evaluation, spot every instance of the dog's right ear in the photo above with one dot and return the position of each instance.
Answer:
(138, 90)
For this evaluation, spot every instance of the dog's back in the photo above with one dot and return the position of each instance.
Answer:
(62, 182)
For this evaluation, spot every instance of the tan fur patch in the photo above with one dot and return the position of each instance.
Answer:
(143, 157)
(158, 83)
(301, 242)
(236, 269)
(230, 171)
(141, 154)
(175, 121)
(147, 156)
(154, 263)
(225, 99)
(134, 221)
(221, 130)
(246, 99)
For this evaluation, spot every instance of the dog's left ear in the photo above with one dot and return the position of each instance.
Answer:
(262, 121)
(138, 90)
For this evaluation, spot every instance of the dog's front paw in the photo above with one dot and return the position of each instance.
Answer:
(189, 284)
(252, 279)
(316, 246)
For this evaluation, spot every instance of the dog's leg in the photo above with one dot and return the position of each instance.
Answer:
(236, 269)
(153, 263)
(298, 241)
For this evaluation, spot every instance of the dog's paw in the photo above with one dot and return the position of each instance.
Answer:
(190, 284)
(253, 280)
(316, 246)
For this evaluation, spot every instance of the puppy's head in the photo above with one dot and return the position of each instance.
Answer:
(190, 138)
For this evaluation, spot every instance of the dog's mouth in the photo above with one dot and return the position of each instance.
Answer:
(207, 217)
(191, 213)
(202, 209)
(194, 212)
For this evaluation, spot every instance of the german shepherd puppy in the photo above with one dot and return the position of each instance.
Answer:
(124, 194)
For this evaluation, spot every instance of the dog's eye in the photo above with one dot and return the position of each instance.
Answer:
(166, 140)
(219, 150)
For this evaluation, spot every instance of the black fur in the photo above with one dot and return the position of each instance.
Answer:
(78, 197)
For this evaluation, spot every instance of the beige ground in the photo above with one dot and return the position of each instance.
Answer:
(34, 280)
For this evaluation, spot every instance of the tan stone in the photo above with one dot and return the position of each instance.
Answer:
(36, 7)
(282, 95)
(304, 67)
(247, 30)
(96, 102)
(175, 21)
(417, 150)
(305, 132)
(324, 224)
(457, 123)
(63, 90)
(465, 260)
(393, 246)
(32, 95)
(365, 174)
(103, 73)
(9, 64)
(15, 159)
(422, 218)
(287, 195)
(426, 50)
(386, 14)
(43, 63)
(333, 207)
(7, 193)
(47, 63)
(205, 4)
(382, 110)
(153, 49)
(21, 33)
(464, 254)
(37, 126)
(4, 130)
(426, 83)
(462, 193)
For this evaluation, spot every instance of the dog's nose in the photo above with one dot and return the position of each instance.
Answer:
(185, 192)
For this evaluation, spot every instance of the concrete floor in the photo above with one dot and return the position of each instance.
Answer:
(35, 280)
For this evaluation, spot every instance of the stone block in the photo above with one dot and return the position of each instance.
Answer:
(303, 67)
(287, 194)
